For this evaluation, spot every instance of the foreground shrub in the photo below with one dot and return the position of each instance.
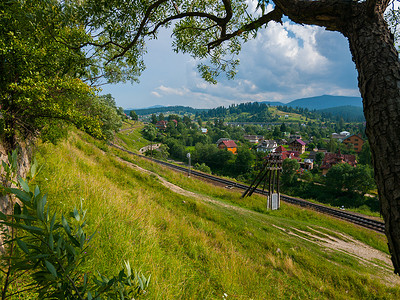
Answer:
(52, 250)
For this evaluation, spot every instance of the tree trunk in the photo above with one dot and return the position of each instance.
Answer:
(7, 201)
(377, 62)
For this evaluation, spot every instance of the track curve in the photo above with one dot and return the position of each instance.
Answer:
(344, 215)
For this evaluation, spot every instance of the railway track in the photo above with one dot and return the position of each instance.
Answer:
(344, 215)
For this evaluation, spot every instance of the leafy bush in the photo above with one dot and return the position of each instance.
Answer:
(52, 250)
(202, 167)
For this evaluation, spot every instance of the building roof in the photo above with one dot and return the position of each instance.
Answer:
(331, 159)
(339, 136)
(267, 144)
(222, 139)
(355, 135)
(298, 141)
(229, 144)
(280, 149)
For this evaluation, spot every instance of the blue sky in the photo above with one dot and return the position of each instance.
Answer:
(284, 62)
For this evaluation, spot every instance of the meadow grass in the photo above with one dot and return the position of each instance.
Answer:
(196, 249)
(130, 136)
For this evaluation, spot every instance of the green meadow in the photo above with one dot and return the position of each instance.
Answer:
(199, 241)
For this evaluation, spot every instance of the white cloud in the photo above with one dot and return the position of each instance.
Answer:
(154, 93)
(171, 91)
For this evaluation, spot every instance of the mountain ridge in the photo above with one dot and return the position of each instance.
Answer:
(311, 103)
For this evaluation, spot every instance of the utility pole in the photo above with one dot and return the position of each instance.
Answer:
(269, 175)
(188, 156)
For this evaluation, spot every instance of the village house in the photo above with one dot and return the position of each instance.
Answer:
(298, 145)
(356, 141)
(253, 139)
(307, 164)
(204, 130)
(340, 136)
(222, 139)
(161, 125)
(287, 154)
(229, 145)
(267, 146)
(332, 159)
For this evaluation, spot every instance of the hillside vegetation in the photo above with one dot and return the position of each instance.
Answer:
(203, 242)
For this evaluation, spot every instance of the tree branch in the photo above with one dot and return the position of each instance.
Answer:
(275, 15)
(222, 22)
(331, 14)
(155, 5)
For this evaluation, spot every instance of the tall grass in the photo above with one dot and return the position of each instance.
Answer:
(196, 249)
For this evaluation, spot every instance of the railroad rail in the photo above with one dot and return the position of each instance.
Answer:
(338, 213)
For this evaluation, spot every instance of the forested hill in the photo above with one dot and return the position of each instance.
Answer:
(348, 113)
(325, 101)
(165, 109)
(255, 112)
(329, 107)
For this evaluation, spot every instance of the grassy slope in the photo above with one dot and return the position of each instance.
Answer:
(200, 250)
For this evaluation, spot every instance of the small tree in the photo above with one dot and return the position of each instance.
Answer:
(365, 157)
(133, 115)
(289, 172)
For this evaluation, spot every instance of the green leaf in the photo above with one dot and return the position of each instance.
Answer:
(24, 185)
(23, 216)
(70, 249)
(51, 268)
(14, 160)
(128, 268)
(23, 245)
(76, 214)
(22, 195)
(74, 240)
(31, 228)
(59, 245)
(51, 241)
(37, 191)
(53, 219)
(65, 225)
(34, 168)
(40, 207)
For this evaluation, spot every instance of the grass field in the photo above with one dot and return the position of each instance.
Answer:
(199, 241)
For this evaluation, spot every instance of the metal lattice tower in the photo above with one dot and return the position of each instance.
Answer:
(269, 177)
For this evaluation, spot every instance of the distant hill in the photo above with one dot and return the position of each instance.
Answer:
(326, 101)
(273, 103)
(164, 109)
(349, 113)
(317, 103)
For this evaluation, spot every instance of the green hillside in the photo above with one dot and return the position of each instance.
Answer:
(203, 242)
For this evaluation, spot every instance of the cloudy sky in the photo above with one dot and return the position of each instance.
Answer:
(285, 62)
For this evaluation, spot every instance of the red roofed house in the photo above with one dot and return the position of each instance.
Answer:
(298, 145)
(356, 141)
(161, 125)
(287, 154)
(229, 145)
(332, 159)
